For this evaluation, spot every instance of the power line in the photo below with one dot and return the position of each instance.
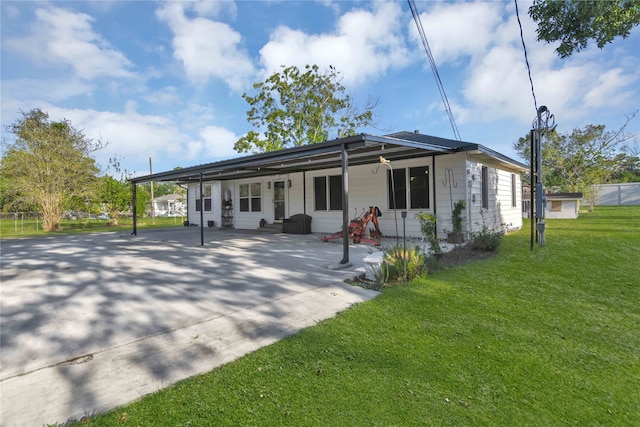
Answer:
(434, 68)
(526, 58)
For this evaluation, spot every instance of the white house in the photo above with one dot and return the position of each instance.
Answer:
(430, 174)
(170, 205)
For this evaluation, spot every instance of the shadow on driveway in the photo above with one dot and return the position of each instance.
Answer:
(84, 316)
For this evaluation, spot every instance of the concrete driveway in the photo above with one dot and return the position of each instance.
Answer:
(90, 322)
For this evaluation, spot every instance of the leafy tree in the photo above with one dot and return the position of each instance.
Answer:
(626, 169)
(294, 108)
(48, 164)
(577, 161)
(115, 194)
(575, 22)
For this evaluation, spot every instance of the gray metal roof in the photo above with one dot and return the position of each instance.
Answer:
(361, 149)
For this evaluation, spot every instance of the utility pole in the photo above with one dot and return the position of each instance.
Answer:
(543, 122)
(153, 206)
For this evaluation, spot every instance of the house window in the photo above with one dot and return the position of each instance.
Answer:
(206, 188)
(514, 201)
(556, 206)
(397, 189)
(251, 197)
(335, 193)
(417, 192)
(327, 192)
(485, 187)
(419, 187)
(320, 192)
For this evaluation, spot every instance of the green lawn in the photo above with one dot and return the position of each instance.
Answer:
(30, 227)
(549, 337)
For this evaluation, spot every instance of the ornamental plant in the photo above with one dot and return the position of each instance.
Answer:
(456, 215)
(428, 224)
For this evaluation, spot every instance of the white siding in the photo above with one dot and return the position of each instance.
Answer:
(193, 216)
(450, 186)
(455, 177)
(568, 209)
(500, 213)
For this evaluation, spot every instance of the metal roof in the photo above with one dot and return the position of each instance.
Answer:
(361, 149)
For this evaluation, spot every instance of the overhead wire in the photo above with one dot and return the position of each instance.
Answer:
(526, 58)
(434, 68)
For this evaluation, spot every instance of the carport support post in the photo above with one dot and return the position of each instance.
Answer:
(135, 211)
(201, 214)
(345, 205)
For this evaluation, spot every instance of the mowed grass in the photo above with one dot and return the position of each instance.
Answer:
(549, 337)
(10, 228)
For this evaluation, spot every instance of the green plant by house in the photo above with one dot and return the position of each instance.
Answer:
(456, 215)
(428, 224)
(487, 240)
(393, 264)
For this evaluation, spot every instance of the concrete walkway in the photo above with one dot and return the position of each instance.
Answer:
(91, 322)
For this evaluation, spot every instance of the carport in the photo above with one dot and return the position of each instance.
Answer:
(343, 152)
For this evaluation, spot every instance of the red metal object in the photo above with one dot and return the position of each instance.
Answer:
(358, 228)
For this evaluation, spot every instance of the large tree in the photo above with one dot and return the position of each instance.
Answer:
(577, 161)
(48, 164)
(575, 22)
(294, 108)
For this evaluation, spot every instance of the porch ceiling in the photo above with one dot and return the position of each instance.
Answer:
(361, 149)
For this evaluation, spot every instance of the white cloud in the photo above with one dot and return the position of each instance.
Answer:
(483, 40)
(218, 142)
(613, 81)
(364, 45)
(457, 30)
(165, 96)
(63, 37)
(206, 48)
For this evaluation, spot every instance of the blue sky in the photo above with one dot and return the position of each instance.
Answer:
(165, 79)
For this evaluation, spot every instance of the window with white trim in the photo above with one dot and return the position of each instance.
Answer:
(250, 197)
(408, 184)
(484, 180)
(327, 193)
(514, 195)
(206, 189)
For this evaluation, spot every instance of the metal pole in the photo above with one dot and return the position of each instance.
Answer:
(134, 201)
(345, 205)
(153, 205)
(531, 189)
(201, 214)
(404, 243)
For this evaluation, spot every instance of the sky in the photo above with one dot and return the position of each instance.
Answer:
(164, 80)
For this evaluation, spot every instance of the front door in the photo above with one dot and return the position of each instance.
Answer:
(279, 206)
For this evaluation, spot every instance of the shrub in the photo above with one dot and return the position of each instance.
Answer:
(486, 240)
(456, 215)
(428, 228)
(393, 264)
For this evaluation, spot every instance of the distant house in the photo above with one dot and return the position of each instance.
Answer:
(341, 178)
(170, 205)
(558, 206)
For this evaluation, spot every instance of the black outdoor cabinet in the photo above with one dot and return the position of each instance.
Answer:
(297, 224)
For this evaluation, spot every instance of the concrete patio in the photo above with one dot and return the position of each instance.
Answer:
(91, 322)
